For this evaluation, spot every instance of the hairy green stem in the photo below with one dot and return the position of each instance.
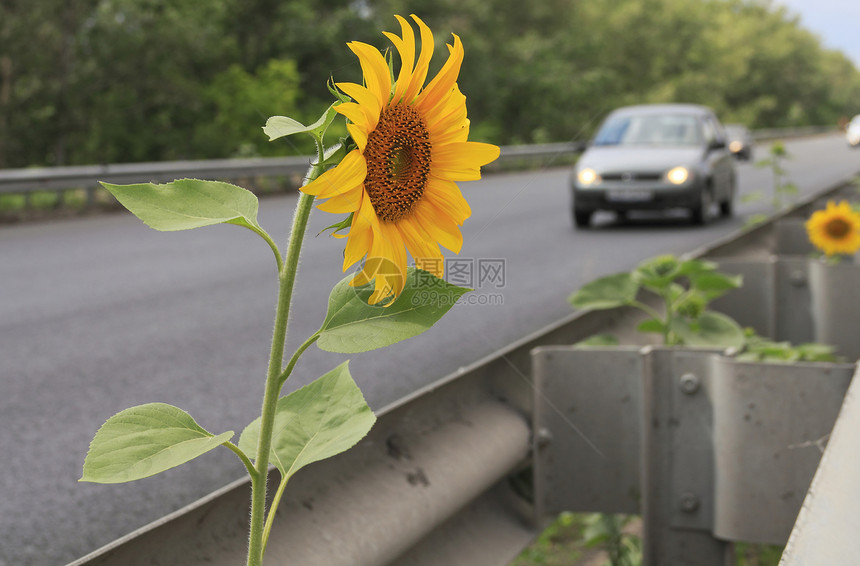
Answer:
(242, 456)
(292, 363)
(287, 277)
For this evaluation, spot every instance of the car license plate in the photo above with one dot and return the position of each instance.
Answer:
(629, 196)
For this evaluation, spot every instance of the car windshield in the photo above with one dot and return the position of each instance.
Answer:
(650, 129)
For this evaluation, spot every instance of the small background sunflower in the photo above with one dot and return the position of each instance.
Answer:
(835, 230)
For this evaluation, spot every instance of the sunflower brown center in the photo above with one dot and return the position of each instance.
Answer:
(837, 228)
(398, 162)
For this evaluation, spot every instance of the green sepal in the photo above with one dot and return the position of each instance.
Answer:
(145, 440)
(322, 419)
(352, 325)
(338, 226)
(332, 88)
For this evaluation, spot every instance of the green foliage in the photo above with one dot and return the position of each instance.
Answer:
(760, 349)
(241, 102)
(685, 287)
(782, 189)
(187, 204)
(352, 325)
(145, 440)
(607, 531)
(318, 421)
(136, 80)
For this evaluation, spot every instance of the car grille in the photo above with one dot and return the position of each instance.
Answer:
(628, 177)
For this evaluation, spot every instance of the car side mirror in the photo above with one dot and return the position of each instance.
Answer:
(717, 144)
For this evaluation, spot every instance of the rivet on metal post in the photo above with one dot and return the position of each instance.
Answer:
(689, 383)
(543, 437)
(689, 502)
(797, 278)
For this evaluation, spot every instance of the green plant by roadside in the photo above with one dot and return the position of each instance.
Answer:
(685, 288)
(782, 191)
(607, 531)
(380, 190)
(760, 349)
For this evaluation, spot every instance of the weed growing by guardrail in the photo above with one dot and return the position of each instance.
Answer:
(685, 287)
(782, 190)
(398, 192)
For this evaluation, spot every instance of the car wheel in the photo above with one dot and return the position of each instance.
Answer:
(727, 207)
(582, 218)
(700, 213)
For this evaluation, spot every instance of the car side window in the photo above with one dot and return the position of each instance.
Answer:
(709, 131)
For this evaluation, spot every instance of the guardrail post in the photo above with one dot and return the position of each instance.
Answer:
(677, 462)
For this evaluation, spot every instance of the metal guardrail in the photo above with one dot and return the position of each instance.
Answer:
(438, 481)
(28, 180)
(88, 176)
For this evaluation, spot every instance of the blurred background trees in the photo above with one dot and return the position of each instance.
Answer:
(106, 81)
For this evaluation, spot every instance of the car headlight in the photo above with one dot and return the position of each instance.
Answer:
(678, 175)
(588, 176)
(735, 146)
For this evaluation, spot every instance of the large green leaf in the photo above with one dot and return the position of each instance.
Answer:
(710, 329)
(352, 325)
(318, 421)
(188, 203)
(713, 284)
(281, 126)
(606, 293)
(142, 441)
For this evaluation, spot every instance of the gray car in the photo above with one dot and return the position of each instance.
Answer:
(655, 157)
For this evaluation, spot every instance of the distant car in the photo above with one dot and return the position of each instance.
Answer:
(655, 156)
(852, 132)
(740, 141)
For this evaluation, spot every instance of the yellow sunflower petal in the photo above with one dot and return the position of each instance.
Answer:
(375, 71)
(361, 233)
(349, 173)
(419, 75)
(439, 226)
(366, 101)
(406, 47)
(356, 114)
(462, 161)
(359, 136)
(446, 196)
(343, 202)
(445, 80)
(425, 252)
(386, 263)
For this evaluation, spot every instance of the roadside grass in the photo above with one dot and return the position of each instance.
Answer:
(565, 543)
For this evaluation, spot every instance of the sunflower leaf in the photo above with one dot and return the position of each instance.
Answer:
(145, 440)
(320, 420)
(352, 325)
(606, 293)
(282, 126)
(710, 329)
(188, 203)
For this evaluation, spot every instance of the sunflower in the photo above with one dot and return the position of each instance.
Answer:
(835, 230)
(400, 181)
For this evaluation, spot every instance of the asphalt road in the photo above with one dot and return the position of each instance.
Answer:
(100, 314)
